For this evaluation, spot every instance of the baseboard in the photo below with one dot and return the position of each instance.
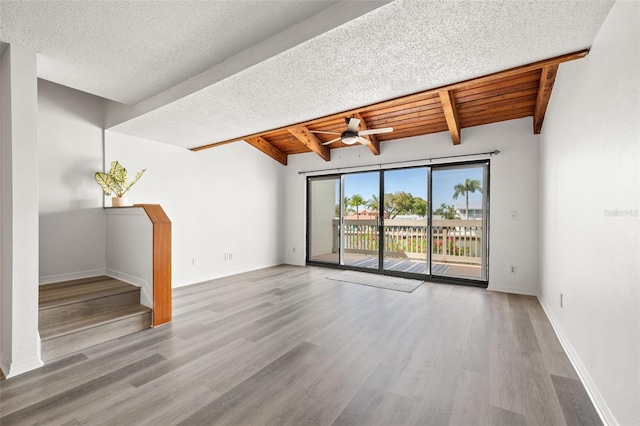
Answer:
(598, 401)
(23, 366)
(72, 276)
(224, 275)
(146, 294)
(129, 279)
(4, 364)
(513, 290)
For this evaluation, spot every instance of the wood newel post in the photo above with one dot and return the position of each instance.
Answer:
(161, 263)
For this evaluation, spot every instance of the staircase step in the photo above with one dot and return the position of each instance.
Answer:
(79, 334)
(77, 314)
(71, 300)
(68, 292)
(70, 312)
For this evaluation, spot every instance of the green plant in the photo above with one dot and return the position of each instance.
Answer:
(356, 201)
(469, 185)
(447, 212)
(116, 180)
(401, 202)
(374, 204)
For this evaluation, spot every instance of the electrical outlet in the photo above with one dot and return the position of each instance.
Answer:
(230, 256)
(293, 249)
(194, 261)
(513, 269)
(561, 300)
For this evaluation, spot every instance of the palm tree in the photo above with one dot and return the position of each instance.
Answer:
(469, 185)
(356, 201)
(347, 207)
(374, 204)
(447, 212)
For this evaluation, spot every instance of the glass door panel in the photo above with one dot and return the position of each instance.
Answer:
(421, 221)
(360, 240)
(406, 237)
(324, 219)
(458, 237)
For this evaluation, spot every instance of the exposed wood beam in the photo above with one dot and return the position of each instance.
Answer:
(263, 145)
(311, 141)
(547, 79)
(417, 96)
(374, 144)
(451, 114)
(521, 69)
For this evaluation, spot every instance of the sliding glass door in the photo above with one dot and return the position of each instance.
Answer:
(419, 221)
(458, 212)
(360, 219)
(324, 219)
(406, 236)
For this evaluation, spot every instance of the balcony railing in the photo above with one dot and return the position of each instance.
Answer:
(452, 241)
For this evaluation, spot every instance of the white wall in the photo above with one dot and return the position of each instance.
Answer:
(20, 342)
(590, 159)
(5, 290)
(72, 223)
(227, 200)
(222, 200)
(4, 293)
(513, 187)
(130, 249)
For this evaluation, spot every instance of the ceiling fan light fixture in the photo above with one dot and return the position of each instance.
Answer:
(352, 135)
(349, 138)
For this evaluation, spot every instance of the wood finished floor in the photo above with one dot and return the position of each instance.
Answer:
(285, 345)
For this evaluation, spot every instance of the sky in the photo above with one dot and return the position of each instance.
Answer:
(414, 181)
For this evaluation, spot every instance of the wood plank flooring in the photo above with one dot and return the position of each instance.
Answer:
(285, 345)
(81, 313)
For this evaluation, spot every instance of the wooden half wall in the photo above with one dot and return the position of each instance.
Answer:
(161, 263)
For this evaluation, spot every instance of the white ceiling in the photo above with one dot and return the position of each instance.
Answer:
(128, 51)
(192, 73)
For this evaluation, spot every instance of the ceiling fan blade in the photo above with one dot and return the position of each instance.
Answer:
(364, 141)
(331, 141)
(325, 133)
(353, 124)
(376, 131)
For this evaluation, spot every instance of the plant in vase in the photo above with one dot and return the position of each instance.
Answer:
(115, 182)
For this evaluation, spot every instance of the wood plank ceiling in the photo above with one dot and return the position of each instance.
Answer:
(507, 95)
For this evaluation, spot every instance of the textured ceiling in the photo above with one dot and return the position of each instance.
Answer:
(128, 51)
(519, 92)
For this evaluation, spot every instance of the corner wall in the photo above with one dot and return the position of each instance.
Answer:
(72, 221)
(222, 200)
(215, 205)
(19, 338)
(590, 201)
(513, 187)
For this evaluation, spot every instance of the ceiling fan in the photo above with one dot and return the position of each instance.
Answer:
(352, 135)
